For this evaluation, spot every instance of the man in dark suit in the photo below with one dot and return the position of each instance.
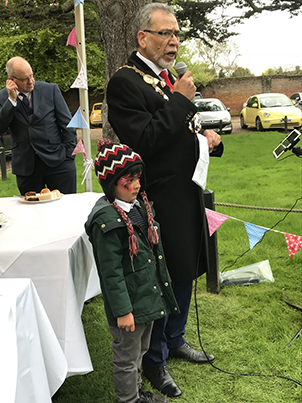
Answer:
(158, 123)
(37, 116)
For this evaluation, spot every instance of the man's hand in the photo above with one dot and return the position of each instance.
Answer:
(213, 138)
(185, 85)
(11, 88)
(126, 322)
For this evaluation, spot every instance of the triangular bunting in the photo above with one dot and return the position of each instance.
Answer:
(78, 121)
(215, 220)
(81, 80)
(255, 233)
(72, 38)
(80, 148)
(294, 243)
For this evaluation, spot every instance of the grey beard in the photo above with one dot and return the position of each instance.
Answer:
(164, 65)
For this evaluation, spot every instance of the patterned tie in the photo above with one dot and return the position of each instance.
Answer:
(26, 103)
(165, 76)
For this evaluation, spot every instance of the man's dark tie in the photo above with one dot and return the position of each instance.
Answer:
(165, 76)
(26, 103)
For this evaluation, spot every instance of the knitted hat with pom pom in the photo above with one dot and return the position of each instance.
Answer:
(111, 163)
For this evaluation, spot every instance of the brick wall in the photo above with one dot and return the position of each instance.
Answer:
(233, 92)
(72, 99)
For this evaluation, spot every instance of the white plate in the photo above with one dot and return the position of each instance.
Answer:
(23, 200)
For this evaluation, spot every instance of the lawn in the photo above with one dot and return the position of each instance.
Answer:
(247, 328)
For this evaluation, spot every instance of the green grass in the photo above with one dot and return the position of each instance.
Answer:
(247, 328)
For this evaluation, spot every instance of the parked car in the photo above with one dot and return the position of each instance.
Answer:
(268, 111)
(96, 115)
(197, 96)
(297, 98)
(6, 142)
(213, 115)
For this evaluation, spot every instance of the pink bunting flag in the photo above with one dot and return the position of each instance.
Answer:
(215, 220)
(81, 80)
(80, 148)
(294, 243)
(6, 2)
(72, 38)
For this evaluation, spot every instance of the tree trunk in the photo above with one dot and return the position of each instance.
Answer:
(118, 37)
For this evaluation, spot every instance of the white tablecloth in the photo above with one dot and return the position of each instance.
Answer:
(32, 363)
(46, 242)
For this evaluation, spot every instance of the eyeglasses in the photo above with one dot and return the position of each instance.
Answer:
(166, 34)
(24, 79)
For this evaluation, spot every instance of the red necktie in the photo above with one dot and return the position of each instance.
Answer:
(165, 76)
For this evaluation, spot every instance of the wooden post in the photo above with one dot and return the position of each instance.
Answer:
(213, 277)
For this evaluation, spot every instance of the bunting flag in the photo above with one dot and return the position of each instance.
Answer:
(294, 243)
(80, 148)
(81, 80)
(255, 233)
(78, 121)
(72, 38)
(88, 163)
(215, 220)
(77, 2)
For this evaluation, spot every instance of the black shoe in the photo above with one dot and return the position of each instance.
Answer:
(186, 352)
(161, 379)
(149, 397)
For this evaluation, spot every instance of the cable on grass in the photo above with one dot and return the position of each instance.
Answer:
(278, 222)
(230, 372)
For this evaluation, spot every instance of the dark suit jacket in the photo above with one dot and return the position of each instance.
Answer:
(46, 134)
(159, 131)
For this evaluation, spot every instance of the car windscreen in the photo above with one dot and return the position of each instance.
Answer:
(209, 106)
(277, 101)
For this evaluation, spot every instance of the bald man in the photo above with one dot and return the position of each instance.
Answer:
(37, 116)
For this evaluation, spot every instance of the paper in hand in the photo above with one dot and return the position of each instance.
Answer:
(201, 170)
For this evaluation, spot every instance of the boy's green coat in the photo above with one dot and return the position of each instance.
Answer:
(128, 286)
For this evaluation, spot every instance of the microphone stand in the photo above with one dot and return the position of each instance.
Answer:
(299, 309)
(297, 151)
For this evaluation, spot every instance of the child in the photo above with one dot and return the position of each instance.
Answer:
(134, 278)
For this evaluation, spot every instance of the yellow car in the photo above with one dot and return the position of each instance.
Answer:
(270, 111)
(96, 115)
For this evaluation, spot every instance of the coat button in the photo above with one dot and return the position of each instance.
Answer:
(103, 225)
(166, 284)
(175, 309)
(160, 257)
(149, 260)
(119, 220)
(155, 287)
(162, 312)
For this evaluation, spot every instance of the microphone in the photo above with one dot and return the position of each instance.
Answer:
(180, 68)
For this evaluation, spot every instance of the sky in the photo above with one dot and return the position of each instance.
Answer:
(271, 40)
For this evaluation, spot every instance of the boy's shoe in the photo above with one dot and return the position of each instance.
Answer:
(149, 397)
(161, 379)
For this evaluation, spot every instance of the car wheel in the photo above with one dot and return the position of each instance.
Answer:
(259, 126)
(243, 126)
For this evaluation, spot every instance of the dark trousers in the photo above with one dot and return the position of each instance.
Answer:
(169, 332)
(62, 177)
